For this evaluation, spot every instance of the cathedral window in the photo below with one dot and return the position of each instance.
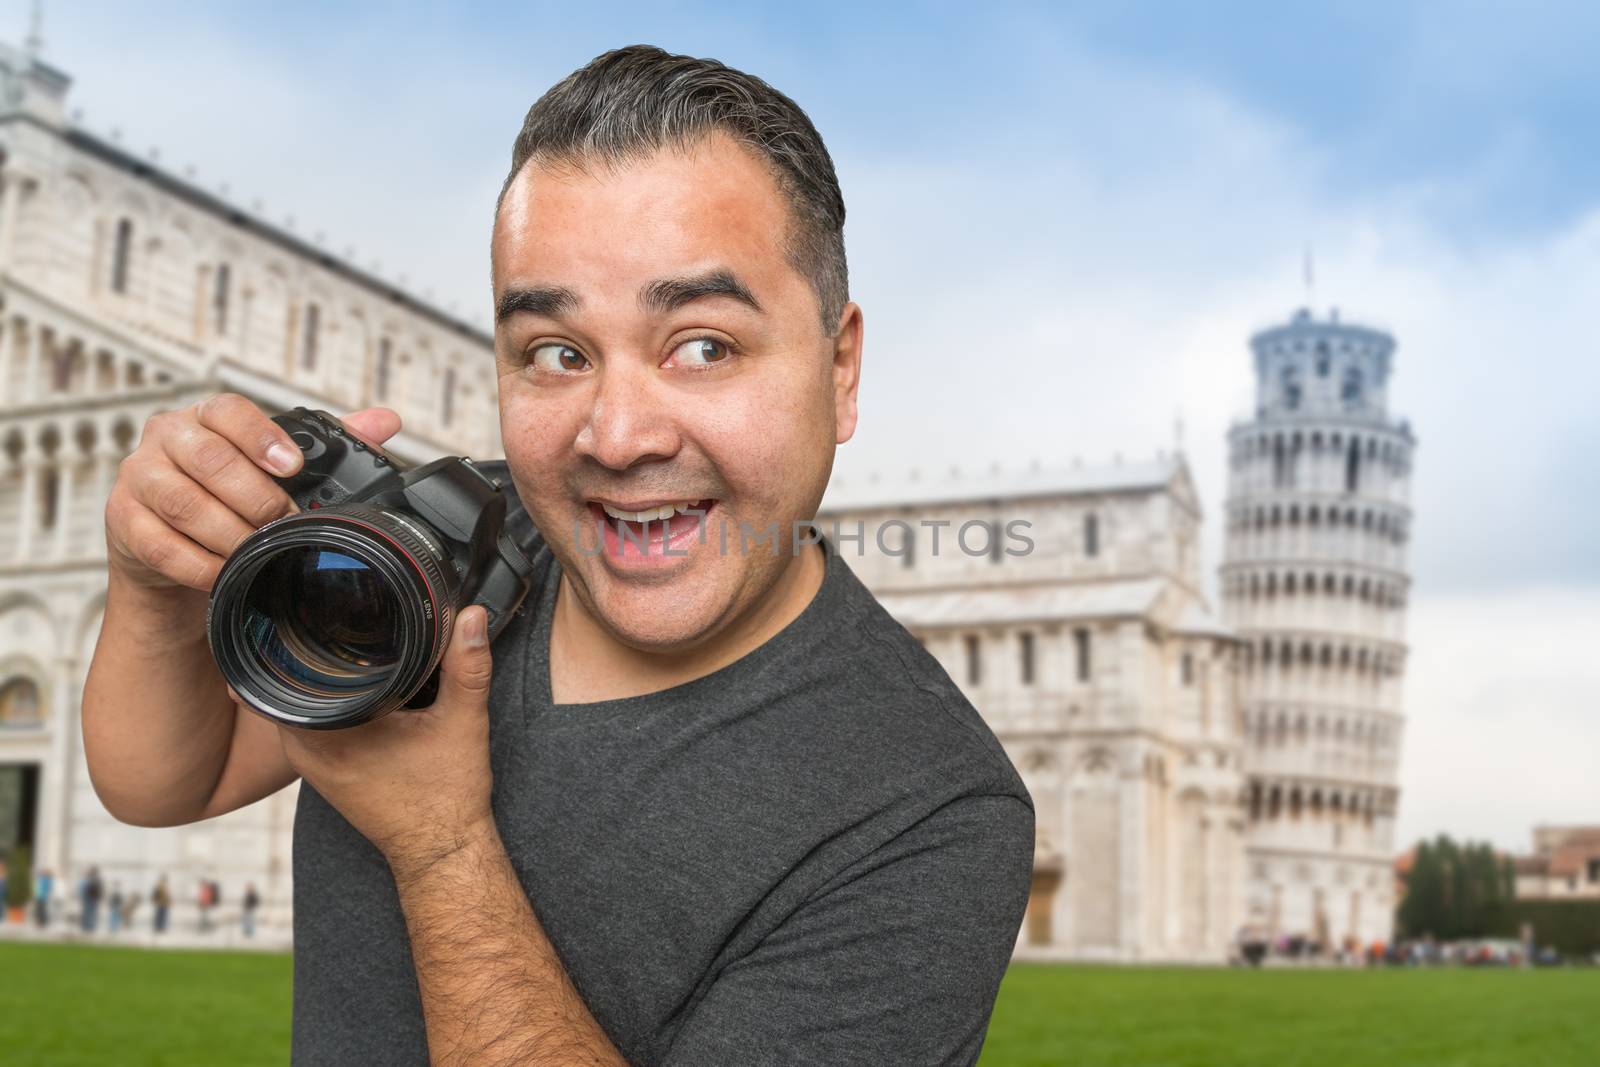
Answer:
(1323, 359)
(49, 484)
(119, 256)
(1025, 656)
(1291, 388)
(1091, 535)
(1188, 668)
(19, 703)
(308, 341)
(1080, 639)
(380, 383)
(1351, 393)
(449, 401)
(219, 300)
(974, 661)
(1352, 468)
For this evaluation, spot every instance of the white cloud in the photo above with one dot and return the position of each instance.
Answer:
(1502, 728)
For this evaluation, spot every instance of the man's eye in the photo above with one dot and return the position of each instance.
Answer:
(563, 359)
(701, 351)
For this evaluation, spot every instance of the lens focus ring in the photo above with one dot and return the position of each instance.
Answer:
(331, 617)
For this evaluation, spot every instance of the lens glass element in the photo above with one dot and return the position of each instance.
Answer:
(324, 620)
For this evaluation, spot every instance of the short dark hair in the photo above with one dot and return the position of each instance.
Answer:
(637, 100)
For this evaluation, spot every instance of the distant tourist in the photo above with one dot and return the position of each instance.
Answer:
(252, 901)
(43, 887)
(114, 912)
(161, 900)
(90, 893)
(207, 900)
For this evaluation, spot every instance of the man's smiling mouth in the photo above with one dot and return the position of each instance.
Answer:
(649, 531)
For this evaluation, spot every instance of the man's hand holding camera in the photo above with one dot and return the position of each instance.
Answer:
(201, 481)
(416, 784)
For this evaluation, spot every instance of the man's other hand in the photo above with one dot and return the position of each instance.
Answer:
(415, 783)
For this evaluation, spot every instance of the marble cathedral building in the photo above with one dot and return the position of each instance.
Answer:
(1095, 660)
(1315, 583)
(126, 290)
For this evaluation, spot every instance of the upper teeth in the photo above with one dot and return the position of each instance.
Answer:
(665, 511)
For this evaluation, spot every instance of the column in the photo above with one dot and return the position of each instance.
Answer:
(28, 511)
(64, 509)
(5, 353)
(35, 339)
(63, 759)
(24, 357)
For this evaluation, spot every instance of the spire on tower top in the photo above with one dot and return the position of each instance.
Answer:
(35, 42)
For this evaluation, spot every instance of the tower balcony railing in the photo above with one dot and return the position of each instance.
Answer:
(1321, 760)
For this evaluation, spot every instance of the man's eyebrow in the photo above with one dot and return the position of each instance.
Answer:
(669, 294)
(546, 300)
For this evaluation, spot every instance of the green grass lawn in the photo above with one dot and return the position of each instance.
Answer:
(64, 1006)
(71, 1005)
(1111, 1017)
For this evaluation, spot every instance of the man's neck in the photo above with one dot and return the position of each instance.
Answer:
(588, 663)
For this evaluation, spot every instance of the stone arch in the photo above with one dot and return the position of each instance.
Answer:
(123, 435)
(22, 696)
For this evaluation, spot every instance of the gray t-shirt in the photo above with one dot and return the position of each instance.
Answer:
(818, 854)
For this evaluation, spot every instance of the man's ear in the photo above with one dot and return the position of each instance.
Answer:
(846, 371)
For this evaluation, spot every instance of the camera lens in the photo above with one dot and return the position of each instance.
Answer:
(325, 619)
(332, 617)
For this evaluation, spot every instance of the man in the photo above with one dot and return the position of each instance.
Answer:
(247, 917)
(45, 886)
(708, 804)
(161, 900)
(90, 893)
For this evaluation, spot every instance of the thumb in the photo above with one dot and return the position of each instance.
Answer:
(373, 425)
(467, 667)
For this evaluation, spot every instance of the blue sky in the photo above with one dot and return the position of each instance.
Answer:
(1064, 222)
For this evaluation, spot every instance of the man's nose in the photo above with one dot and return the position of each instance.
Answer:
(630, 419)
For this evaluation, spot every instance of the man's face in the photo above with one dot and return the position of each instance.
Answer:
(657, 349)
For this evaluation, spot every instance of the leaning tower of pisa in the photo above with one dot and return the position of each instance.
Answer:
(1314, 580)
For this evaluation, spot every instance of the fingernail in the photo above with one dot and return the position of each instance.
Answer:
(282, 458)
(475, 628)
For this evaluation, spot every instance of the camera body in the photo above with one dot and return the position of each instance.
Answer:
(339, 613)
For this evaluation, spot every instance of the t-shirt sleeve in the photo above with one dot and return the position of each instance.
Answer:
(896, 960)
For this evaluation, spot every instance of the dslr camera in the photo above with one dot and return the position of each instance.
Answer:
(339, 613)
